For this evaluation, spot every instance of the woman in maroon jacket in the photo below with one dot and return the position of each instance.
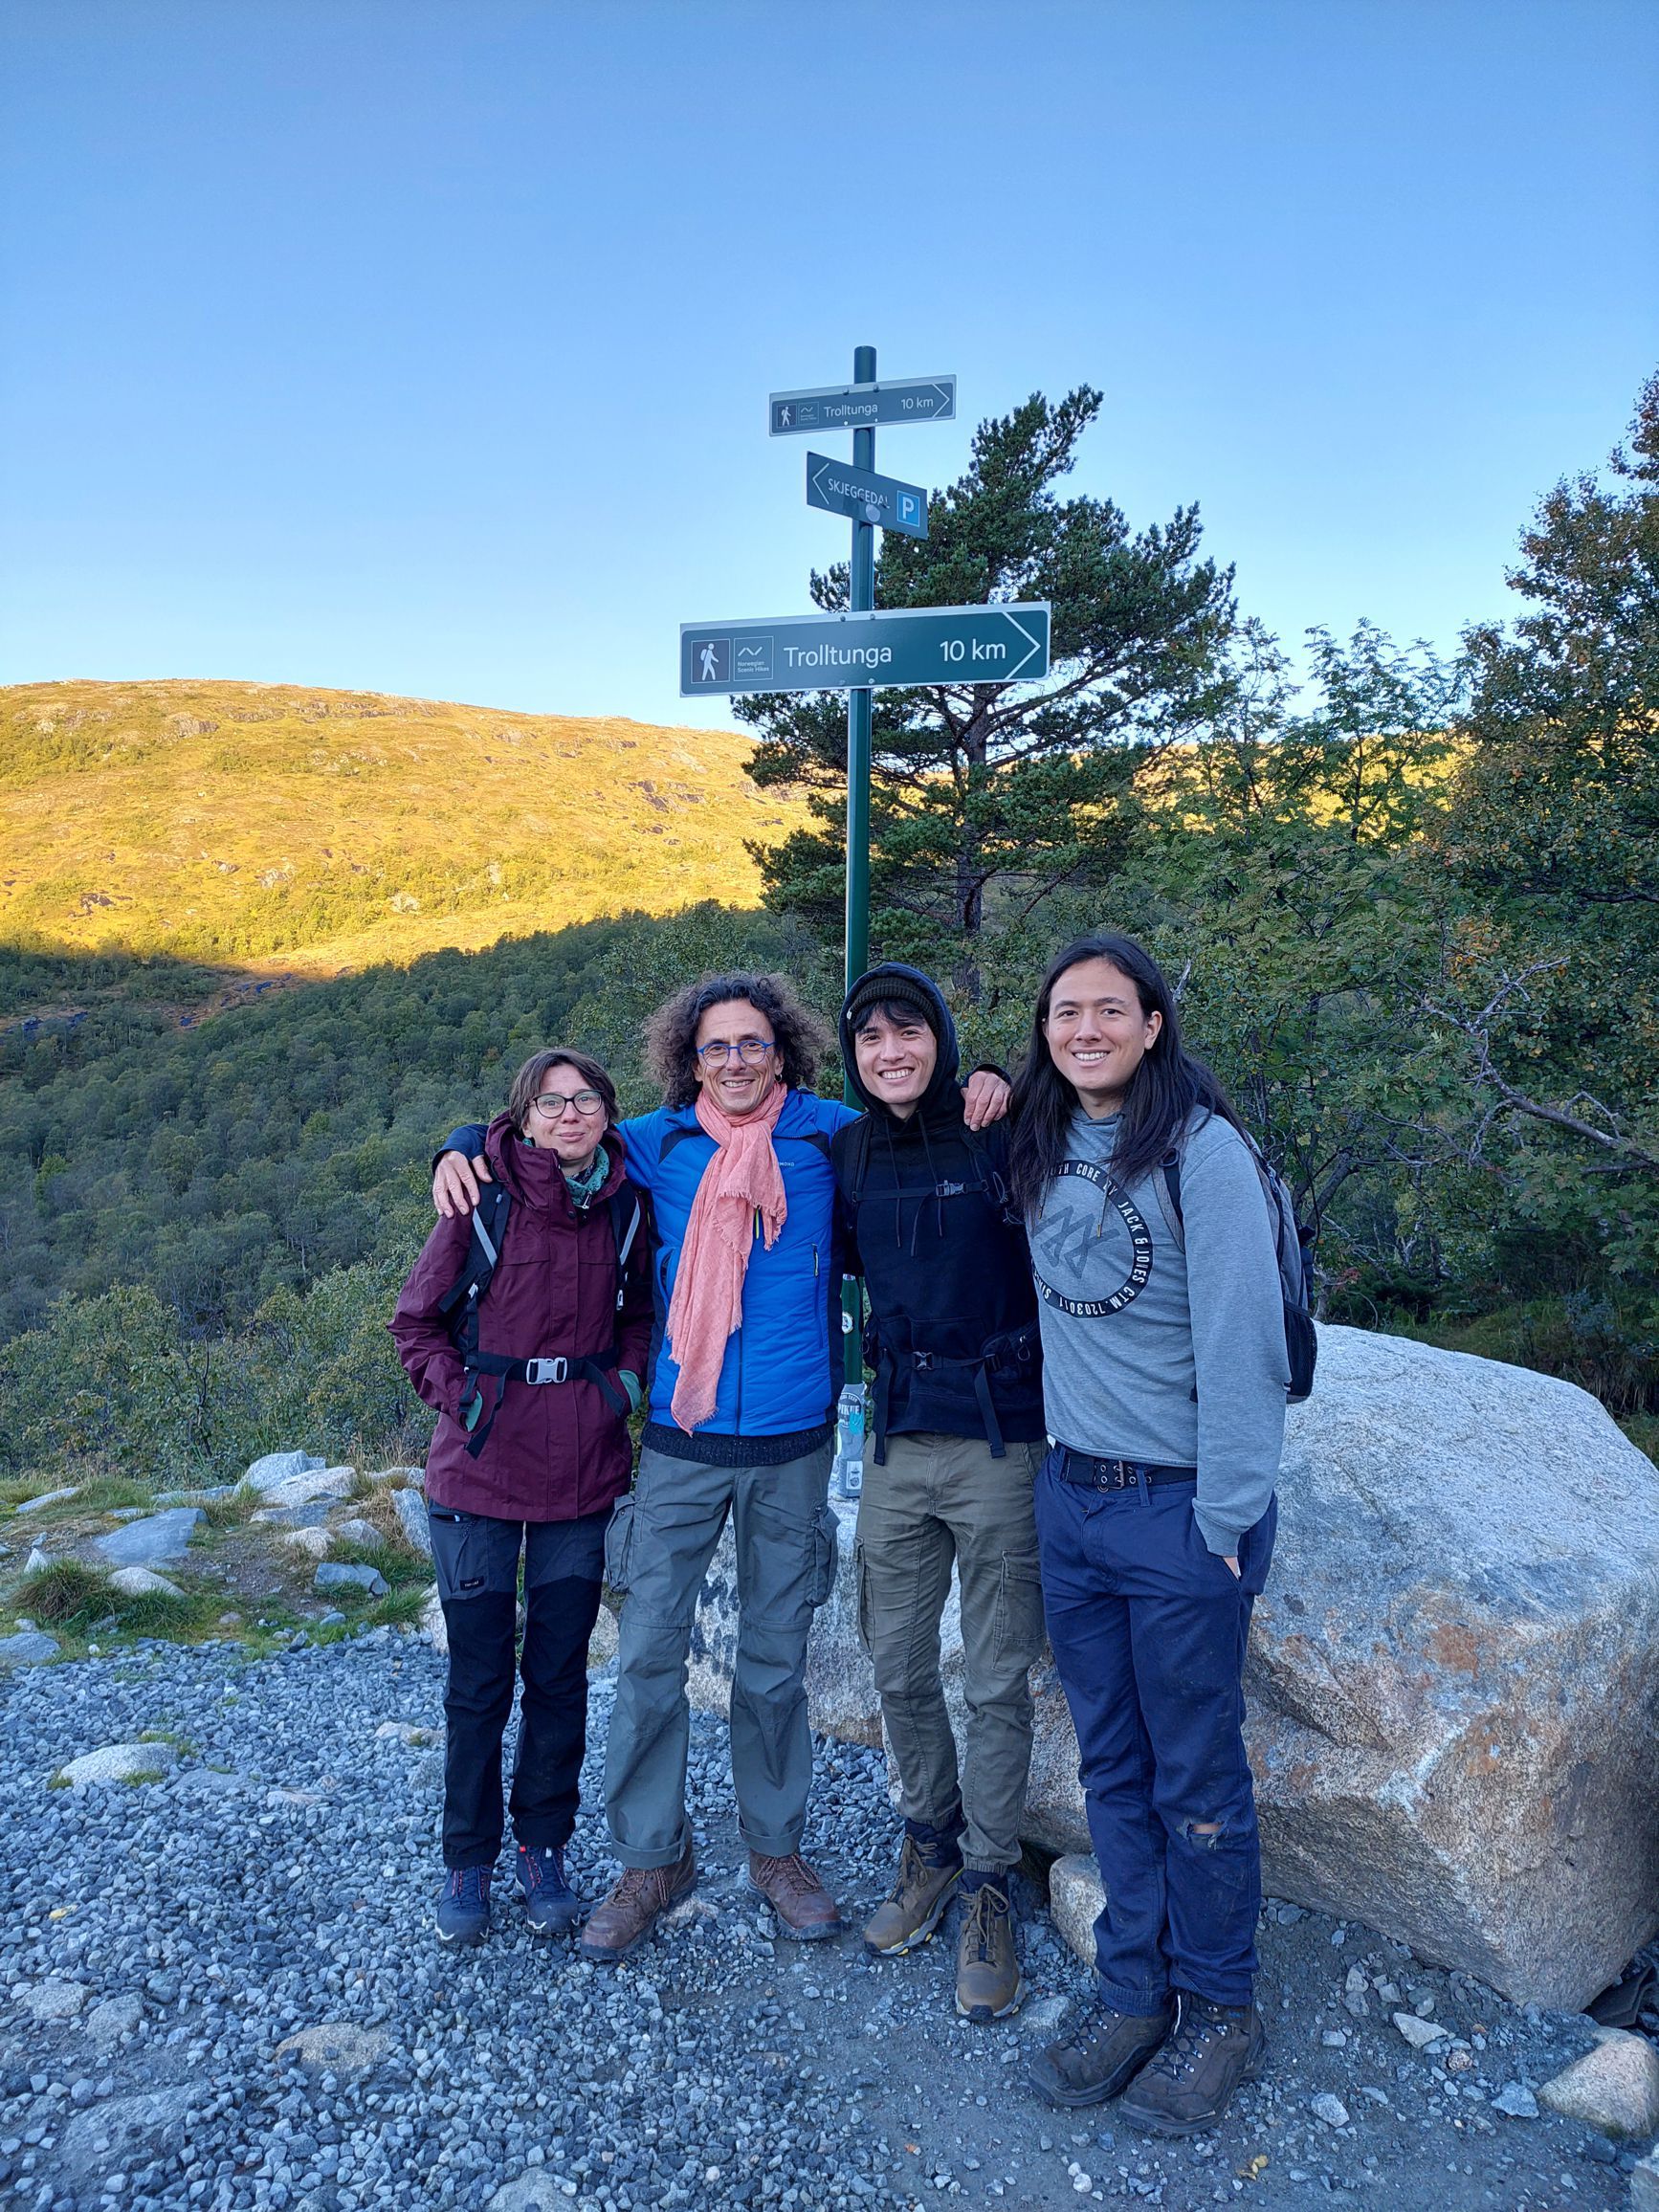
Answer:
(530, 1453)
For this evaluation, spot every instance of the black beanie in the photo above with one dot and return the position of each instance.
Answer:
(890, 990)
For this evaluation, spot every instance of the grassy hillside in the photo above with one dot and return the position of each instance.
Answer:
(277, 829)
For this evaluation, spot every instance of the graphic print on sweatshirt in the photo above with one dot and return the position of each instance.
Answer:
(1091, 1247)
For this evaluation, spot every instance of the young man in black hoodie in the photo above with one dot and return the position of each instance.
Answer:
(958, 1438)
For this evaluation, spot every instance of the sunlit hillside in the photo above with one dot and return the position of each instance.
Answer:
(279, 828)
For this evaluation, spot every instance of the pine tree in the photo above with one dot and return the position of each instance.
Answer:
(987, 798)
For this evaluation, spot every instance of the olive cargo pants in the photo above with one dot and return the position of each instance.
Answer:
(939, 1500)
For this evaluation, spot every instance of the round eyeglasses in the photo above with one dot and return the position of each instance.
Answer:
(552, 1103)
(751, 1051)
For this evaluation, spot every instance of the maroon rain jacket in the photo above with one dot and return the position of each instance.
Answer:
(557, 1450)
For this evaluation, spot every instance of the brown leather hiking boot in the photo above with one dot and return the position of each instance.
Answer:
(1190, 2083)
(915, 1903)
(1103, 2053)
(632, 1907)
(805, 1908)
(989, 1982)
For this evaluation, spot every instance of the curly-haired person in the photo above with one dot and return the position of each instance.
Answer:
(746, 1372)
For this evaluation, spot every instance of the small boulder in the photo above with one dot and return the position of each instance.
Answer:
(29, 1647)
(356, 1531)
(433, 1625)
(1076, 1900)
(147, 1542)
(116, 2015)
(410, 1507)
(537, 2191)
(1614, 2088)
(335, 2046)
(323, 1482)
(49, 1498)
(1516, 2101)
(277, 1467)
(414, 1476)
(142, 1581)
(405, 1732)
(1329, 2108)
(313, 1543)
(336, 1575)
(119, 1762)
(52, 2002)
(37, 1561)
(601, 1644)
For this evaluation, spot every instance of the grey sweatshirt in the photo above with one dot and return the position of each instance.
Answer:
(1156, 1355)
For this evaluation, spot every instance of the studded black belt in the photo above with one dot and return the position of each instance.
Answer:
(1091, 1473)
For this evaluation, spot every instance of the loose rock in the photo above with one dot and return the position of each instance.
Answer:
(359, 1532)
(141, 1581)
(54, 2001)
(49, 1498)
(1076, 1900)
(326, 1482)
(278, 1467)
(410, 1507)
(142, 1543)
(313, 1543)
(1418, 2033)
(336, 2046)
(1515, 2101)
(29, 1647)
(337, 1576)
(1645, 2185)
(119, 1763)
(1329, 2108)
(1614, 2088)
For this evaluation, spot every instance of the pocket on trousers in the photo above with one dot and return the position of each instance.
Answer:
(826, 1556)
(861, 1578)
(618, 1544)
(461, 1553)
(1019, 1631)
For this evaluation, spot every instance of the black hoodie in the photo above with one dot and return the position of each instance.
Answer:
(953, 1330)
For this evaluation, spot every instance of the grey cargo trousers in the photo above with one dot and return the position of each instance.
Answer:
(657, 1551)
(941, 1499)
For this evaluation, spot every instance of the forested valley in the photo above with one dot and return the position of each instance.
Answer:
(1413, 904)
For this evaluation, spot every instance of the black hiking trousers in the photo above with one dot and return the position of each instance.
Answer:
(476, 1559)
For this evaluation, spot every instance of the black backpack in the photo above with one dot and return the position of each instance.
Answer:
(1293, 1246)
(460, 1303)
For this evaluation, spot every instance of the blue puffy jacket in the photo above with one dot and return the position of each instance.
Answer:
(783, 1367)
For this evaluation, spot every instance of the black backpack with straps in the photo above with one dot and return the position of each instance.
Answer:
(460, 1305)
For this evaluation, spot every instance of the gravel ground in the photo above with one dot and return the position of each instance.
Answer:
(162, 1940)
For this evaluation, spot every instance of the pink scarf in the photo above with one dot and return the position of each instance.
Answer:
(741, 1189)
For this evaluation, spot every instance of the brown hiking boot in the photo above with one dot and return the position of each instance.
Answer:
(805, 1908)
(1103, 2053)
(1190, 2083)
(989, 1982)
(915, 1904)
(632, 1907)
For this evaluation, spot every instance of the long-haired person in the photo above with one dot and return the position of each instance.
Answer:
(533, 1377)
(1164, 1386)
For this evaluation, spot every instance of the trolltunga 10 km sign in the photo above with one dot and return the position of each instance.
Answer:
(924, 645)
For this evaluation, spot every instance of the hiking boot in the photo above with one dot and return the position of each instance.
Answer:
(1104, 2051)
(917, 1900)
(464, 1905)
(1189, 2085)
(633, 1906)
(551, 1906)
(805, 1910)
(989, 1982)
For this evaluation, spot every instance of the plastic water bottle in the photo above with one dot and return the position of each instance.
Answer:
(848, 1473)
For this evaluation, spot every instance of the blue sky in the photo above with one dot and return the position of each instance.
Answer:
(425, 348)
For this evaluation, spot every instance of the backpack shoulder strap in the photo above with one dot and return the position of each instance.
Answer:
(460, 1302)
(857, 1161)
(1166, 1182)
(625, 1217)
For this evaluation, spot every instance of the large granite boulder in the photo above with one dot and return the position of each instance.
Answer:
(1454, 1675)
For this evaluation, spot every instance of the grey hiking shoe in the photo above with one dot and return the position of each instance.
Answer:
(916, 1902)
(1191, 2082)
(1103, 2053)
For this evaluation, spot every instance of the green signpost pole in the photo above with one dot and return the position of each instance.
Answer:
(861, 599)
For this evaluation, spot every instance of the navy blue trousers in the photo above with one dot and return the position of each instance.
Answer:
(1148, 1629)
